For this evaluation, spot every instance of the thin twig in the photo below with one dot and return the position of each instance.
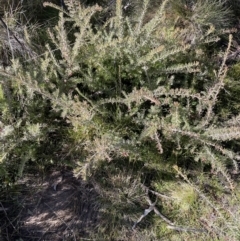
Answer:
(4, 209)
(186, 229)
(8, 217)
(156, 193)
(10, 31)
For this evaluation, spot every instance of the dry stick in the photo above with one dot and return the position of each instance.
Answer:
(7, 235)
(4, 209)
(171, 224)
(159, 194)
(146, 212)
(61, 220)
(8, 218)
(156, 193)
(11, 32)
(178, 228)
(157, 212)
(150, 209)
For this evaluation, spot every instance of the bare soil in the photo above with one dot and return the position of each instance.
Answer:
(58, 207)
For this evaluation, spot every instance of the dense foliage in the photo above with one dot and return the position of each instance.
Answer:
(142, 103)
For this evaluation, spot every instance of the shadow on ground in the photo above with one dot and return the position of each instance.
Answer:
(59, 207)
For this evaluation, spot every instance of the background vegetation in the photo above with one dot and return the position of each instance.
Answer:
(138, 98)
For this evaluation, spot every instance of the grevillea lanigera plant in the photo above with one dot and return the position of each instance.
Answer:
(137, 89)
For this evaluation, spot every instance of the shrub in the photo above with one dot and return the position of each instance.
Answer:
(137, 94)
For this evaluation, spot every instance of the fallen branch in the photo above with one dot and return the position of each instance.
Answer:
(170, 225)
(150, 209)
